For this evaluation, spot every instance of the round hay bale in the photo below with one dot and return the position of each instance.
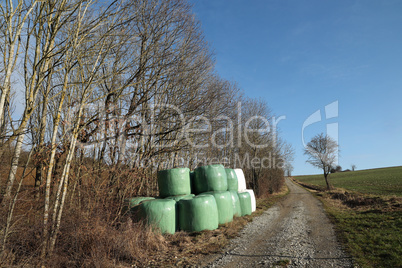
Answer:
(210, 178)
(180, 197)
(233, 184)
(160, 214)
(198, 213)
(253, 200)
(129, 204)
(177, 198)
(225, 205)
(245, 203)
(240, 179)
(236, 204)
(174, 181)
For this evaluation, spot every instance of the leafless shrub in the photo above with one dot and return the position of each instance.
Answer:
(99, 81)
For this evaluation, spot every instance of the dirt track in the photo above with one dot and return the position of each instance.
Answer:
(296, 230)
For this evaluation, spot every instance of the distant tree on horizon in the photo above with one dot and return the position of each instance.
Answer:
(335, 169)
(353, 167)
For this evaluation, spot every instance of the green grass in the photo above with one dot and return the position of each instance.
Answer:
(371, 232)
(373, 238)
(380, 181)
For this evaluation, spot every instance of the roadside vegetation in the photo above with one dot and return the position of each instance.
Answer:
(92, 242)
(95, 98)
(368, 217)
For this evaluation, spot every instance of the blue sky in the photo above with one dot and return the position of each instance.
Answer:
(301, 56)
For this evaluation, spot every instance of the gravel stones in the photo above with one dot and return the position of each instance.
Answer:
(295, 231)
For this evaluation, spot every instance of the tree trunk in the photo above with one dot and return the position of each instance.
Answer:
(50, 168)
(14, 165)
(327, 181)
(13, 202)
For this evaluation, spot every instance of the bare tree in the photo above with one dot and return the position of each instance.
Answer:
(107, 84)
(15, 16)
(322, 152)
(353, 167)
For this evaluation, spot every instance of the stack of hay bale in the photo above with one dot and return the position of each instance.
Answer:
(196, 200)
(242, 188)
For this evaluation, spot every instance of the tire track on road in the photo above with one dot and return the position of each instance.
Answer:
(296, 229)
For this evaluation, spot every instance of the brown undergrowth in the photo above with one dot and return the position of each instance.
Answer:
(356, 200)
(92, 239)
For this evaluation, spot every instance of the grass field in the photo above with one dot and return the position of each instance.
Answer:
(380, 181)
(373, 238)
(368, 220)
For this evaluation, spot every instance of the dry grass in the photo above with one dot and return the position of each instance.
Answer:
(91, 240)
(358, 201)
(91, 234)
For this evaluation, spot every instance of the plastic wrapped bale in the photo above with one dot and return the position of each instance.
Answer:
(175, 181)
(198, 213)
(225, 205)
(236, 204)
(130, 204)
(160, 214)
(241, 180)
(210, 178)
(233, 184)
(253, 201)
(245, 203)
(179, 197)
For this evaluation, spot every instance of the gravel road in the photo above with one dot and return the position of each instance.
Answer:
(295, 230)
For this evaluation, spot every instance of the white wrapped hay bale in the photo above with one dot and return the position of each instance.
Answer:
(241, 180)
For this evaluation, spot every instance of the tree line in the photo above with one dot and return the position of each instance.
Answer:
(96, 97)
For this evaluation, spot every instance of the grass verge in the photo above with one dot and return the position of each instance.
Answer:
(369, 226)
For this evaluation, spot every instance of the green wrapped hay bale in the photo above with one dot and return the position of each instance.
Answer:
(236, 204)
(245, 203)
(253, 201)
(134, 201)
(210, 178)
(174, 181)
(129, 204)
(160, 214)
(177, 198)
(180, 197)
(198, 213)
(225, 205)
(232, 179)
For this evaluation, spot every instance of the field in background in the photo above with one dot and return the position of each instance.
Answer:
(379, 181)
(366, 208)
